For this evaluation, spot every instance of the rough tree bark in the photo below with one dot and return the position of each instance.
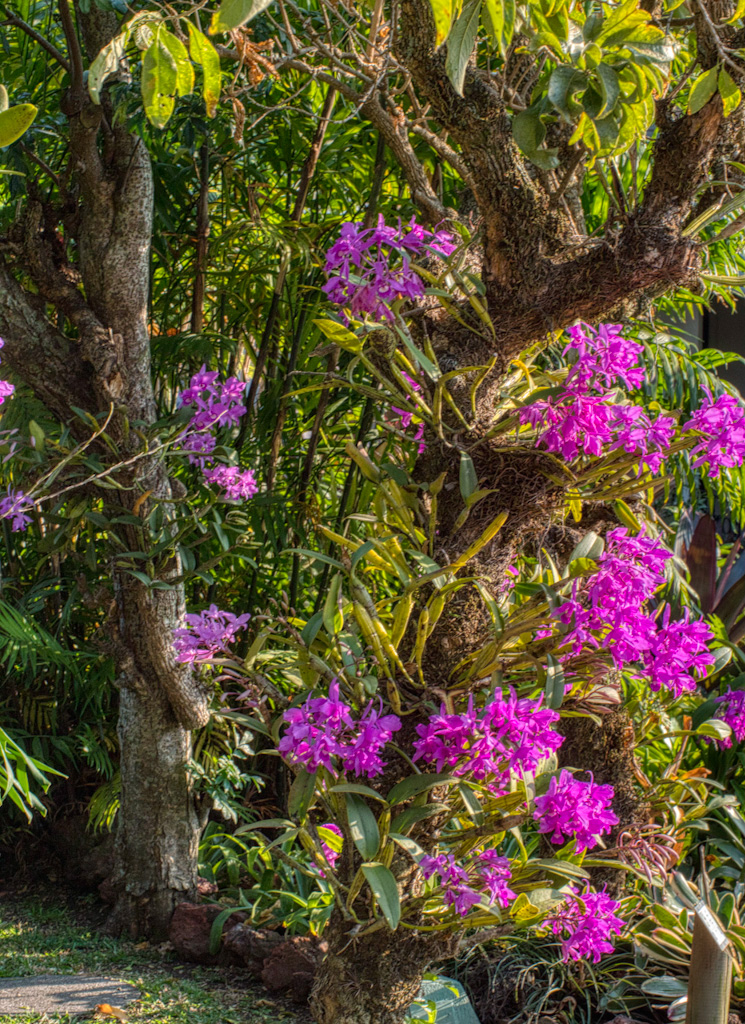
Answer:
(103, 366)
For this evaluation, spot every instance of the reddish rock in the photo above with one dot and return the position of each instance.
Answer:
(205, 888)
(250, 946)
(292, 965)
(190, 930)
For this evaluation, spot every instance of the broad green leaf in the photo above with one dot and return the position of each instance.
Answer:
(468, 479)
(610, 88)
(461, 42)
(363, 826)
(715, 729)
(442, 11)
(384, 887)
(15, 121)
(234, 13)
(560, 89)
(702, 90)
(416, 784)
(184, 68)
(4, 101)
(730, 93)
(203, 53)
(591, 546)
(529, 132)
(302, 794)
(159, 81)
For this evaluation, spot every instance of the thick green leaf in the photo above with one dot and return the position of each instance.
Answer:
(302, 794)
(406, 819)
(702, 90)
(664, 987)
(203, 53)
(715, 728)
(4, 100)
(234, 13)
(416, 784)
(461, 42)
(353, 787)
(554, 687)
(159, 82)
(15, 121)
(363, 826)
(184, 67)
(730, 93)
(333, 620)
(384, 887)
(468, 479)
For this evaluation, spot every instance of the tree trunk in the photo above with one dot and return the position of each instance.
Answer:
(158, 831)
(106, 370)
(373, 979)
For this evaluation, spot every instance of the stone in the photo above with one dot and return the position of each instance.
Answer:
(292, 965)
(250, 946)
(190, 930)
(60, 994)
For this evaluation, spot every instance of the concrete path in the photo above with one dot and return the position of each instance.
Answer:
(57, 993)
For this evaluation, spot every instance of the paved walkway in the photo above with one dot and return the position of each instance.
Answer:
(58, 993)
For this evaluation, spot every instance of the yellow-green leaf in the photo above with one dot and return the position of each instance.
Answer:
(203, 52)
(730, 93)
(234, 13)
(15, 121)
(159, 81)
(3, 98)
(702, 90)
(184, 68)
(443, 15)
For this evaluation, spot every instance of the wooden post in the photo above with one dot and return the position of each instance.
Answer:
(710, 979)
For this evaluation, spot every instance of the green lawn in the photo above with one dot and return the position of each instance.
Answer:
(40, 936)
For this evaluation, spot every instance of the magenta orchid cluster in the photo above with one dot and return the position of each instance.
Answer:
(509, 735)
(721, 423)
(405, 418)
(587, 921)
(216, 404)
(15, 504)
(587, 417)
(207, 634)
(322, 733)
(609, 612)
(574, 808)
(463, 887)
(732, 711)
(360, 266)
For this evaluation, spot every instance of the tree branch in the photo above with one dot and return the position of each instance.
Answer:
(37, 353)
(16, 22)
(73, 48)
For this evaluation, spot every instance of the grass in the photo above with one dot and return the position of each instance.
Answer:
(43, 936)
